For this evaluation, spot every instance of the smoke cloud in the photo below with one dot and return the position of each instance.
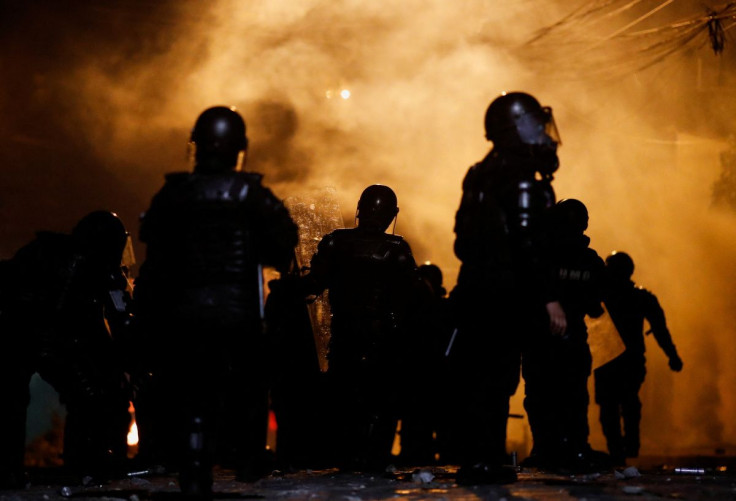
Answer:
(98, 99)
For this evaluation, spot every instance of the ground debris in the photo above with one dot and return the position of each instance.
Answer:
(405, 484)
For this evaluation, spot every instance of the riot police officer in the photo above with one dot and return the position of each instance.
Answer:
(502, 291)
(66, 310)
(556, 367)
(200, 298)
(297, 385)
(617, 383)
(371, 278)
(422, 420)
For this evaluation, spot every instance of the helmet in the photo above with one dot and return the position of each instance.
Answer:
(432, 274)
(516, 121)
(570, 216)
(518, 117)
(377, 206)
(101, 236)
(218, 138)
(619, 265)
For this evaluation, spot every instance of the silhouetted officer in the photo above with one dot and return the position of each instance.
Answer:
(66, 308)
(200, 294)
(556, 367)
(297, 386)
(371, 278)
(617, 383)
(422, 420)
(502, 286)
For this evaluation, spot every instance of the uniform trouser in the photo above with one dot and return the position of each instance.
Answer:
(617, 387)
(477, 433)
(420, 412)
(93, 389)
(208, 396)
(297, 389)
(303, 422)
(14, 386)
(362, 396)
(95, 431)
(418, 425)
(484, 367)
(556, 399)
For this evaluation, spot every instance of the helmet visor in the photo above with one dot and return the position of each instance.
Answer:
(538, 127)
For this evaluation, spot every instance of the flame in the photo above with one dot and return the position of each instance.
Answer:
(133, 434)
(133, 430)
(272, 424)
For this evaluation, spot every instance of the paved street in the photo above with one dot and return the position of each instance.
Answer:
(697, 479)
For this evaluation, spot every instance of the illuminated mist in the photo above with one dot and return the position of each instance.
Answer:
(98, 101)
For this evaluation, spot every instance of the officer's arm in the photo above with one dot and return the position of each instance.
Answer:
(468, 221)
(278, 232)
(149, 218)
(320, 267)
(594, 300)
(557, 318)
(656, 318)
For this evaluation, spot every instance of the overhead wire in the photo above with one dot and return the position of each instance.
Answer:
(632, 23)
(580, 56)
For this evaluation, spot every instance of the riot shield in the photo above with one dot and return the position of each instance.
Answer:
(604, 340)
(317, 214)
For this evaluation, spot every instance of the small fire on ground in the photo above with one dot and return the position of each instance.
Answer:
(133, 430)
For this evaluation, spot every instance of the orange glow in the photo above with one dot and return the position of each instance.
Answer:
(133, 434)
(396, 447)
(133, 431)
(272, 425)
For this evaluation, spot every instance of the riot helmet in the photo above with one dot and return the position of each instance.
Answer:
(570, 216)
(377, 207)
(218, 140)
(515, 121)
(101, 237)
(432, 275)
(619, 267)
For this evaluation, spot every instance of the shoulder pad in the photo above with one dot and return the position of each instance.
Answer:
(394, 238)
(328, 240)
(337, 234)
(53, 238)
(472, 172)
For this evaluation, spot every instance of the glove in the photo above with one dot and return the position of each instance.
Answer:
(557, 318)
(675, 363)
